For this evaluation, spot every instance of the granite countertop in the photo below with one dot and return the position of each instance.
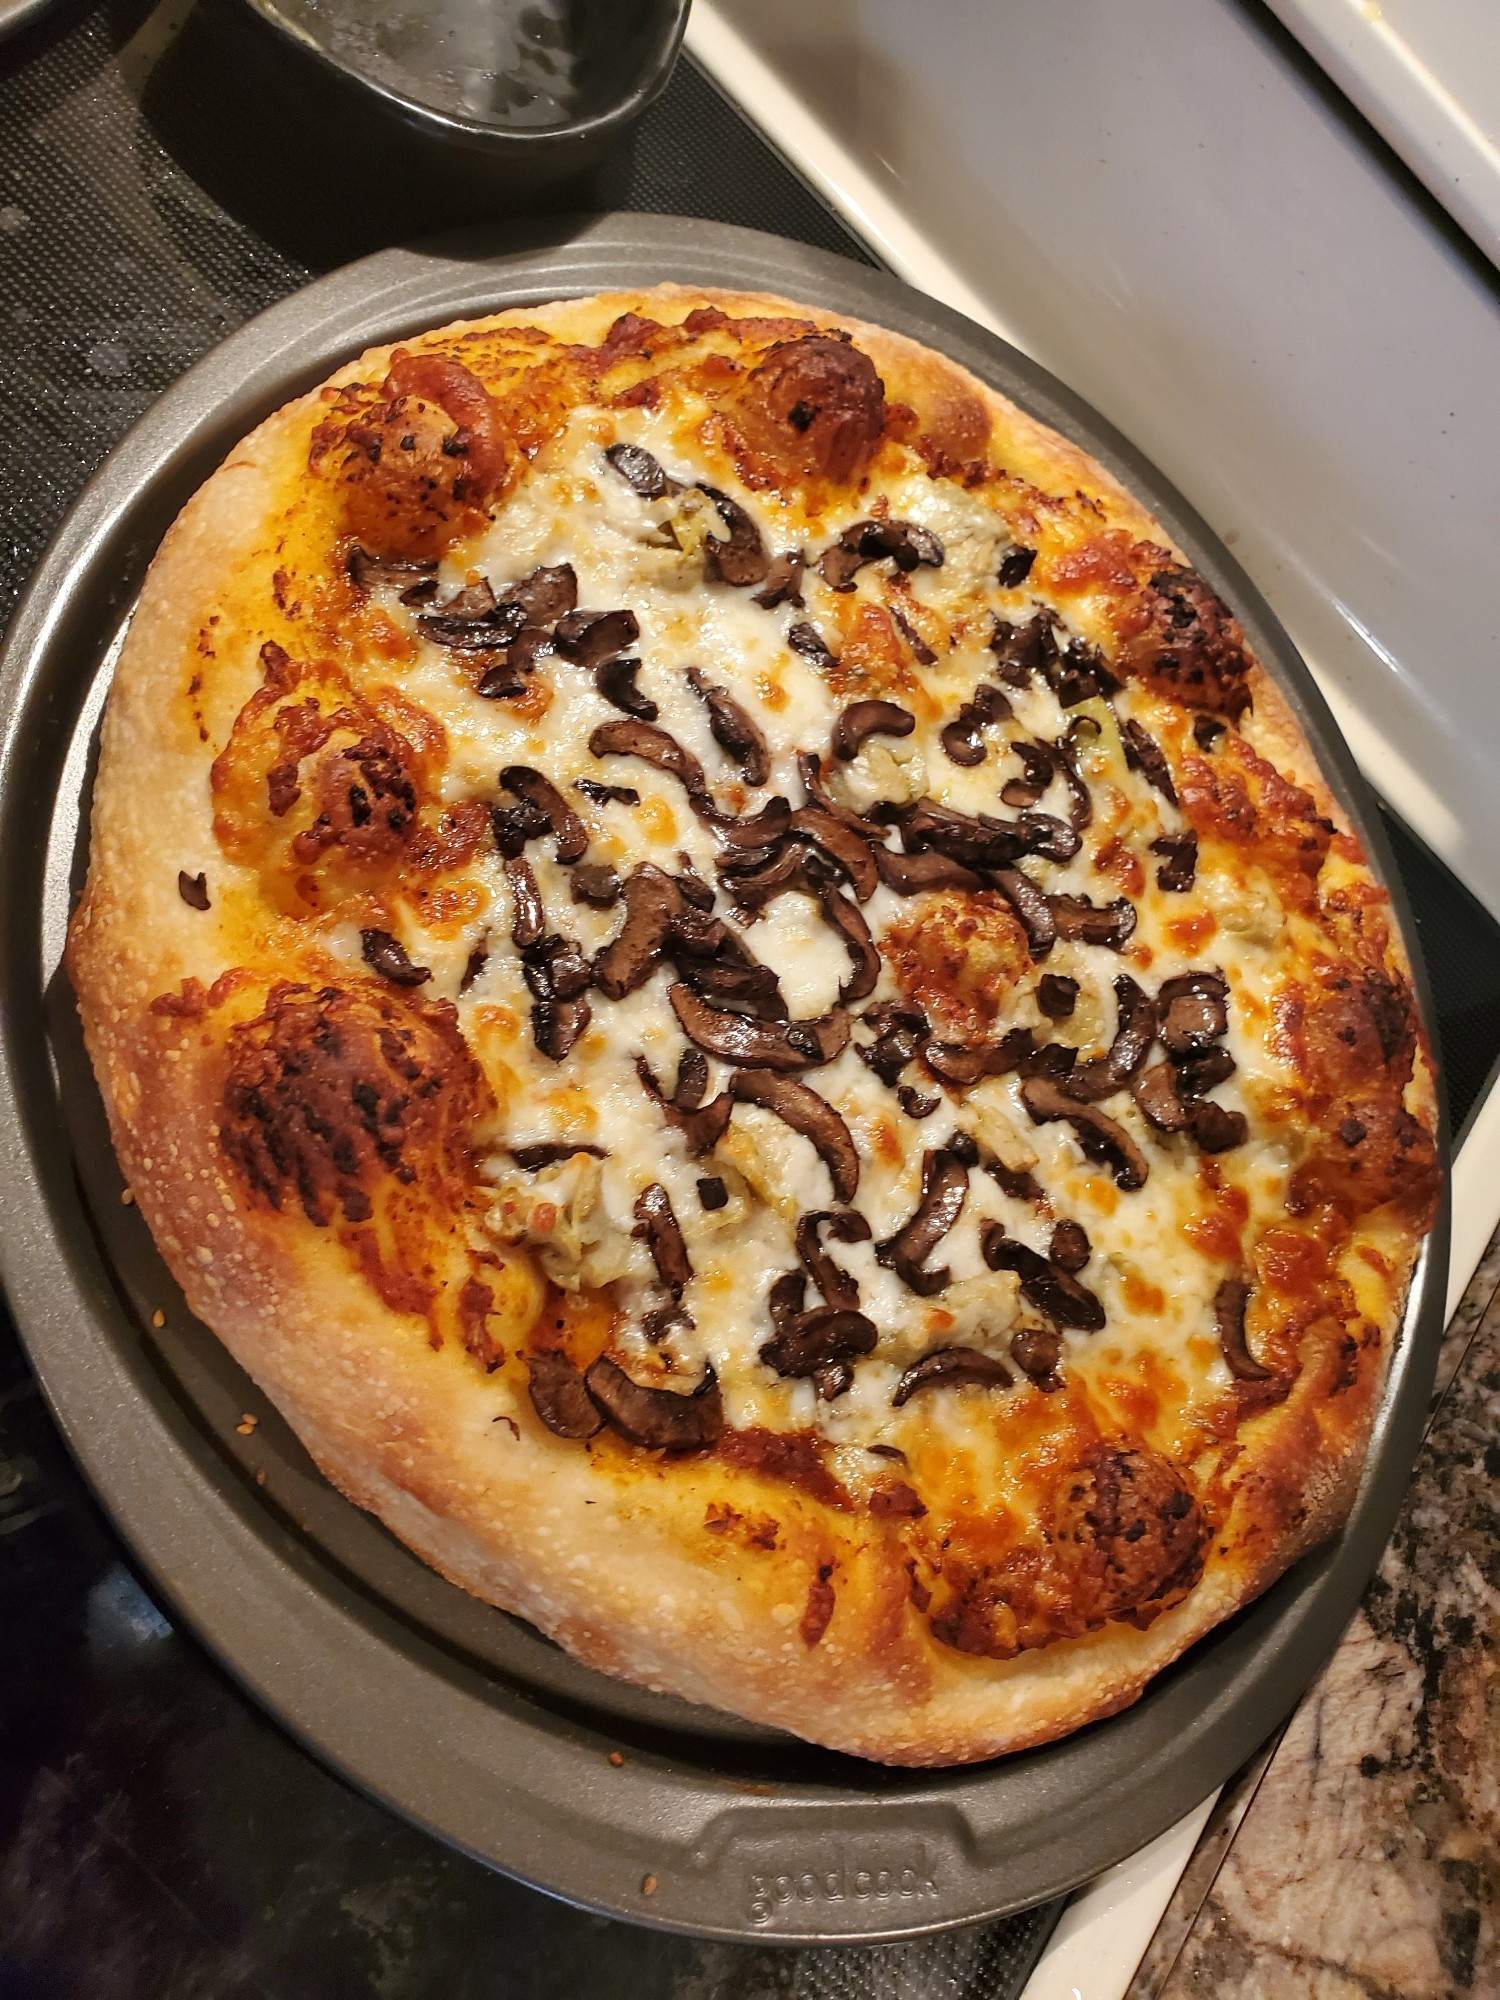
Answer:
(1360, 1858)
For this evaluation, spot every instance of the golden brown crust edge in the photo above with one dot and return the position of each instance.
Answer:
(377, 1413)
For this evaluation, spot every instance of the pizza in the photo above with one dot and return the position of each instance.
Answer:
(716, 965)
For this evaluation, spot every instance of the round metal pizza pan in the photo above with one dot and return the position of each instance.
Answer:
(454, 1714)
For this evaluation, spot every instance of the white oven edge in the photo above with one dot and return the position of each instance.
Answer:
(1104, 1931)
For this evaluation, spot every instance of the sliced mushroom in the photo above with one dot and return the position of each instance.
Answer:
(732, 729)
(1069, 1248)
(477, 960)
(1195, 1012)
(844, 917)
(742, 559)
(739, 985)
(1034, 908)
(1207, 729)
(702, 1128)
(1155, 1091)
(899, 1032)
(1037, 1351)
(961, 738)
(595, 883)
(1049, 838)
(784, 1046)
(1038, 766)
(592, 637)
(977, 843)
(365, 570)
(945, 1189)
(549, 593)
(1109, 924)
(786, 868)
(651, 900)
(557, 1024)
(1135, 1031)
(804, 1111)
(1078, 673)
(1098, 1135)
(808, 1342)
(528, 924)
(839, 566)
(1214, 1127)
(387, 956)
(692, 1080)
(962, 1064)
(783, 584)
(463, 631)
(851, 853)
(909, 545)
(537, 792)
(844, 1226)
(603, 795)
(615, 680)
(1023, 650)
(657, 1228)
(952, 1368)
(475, 600)
(1015, 566)
(548, 1152)
(713, 1193)
(810, 771)
(1053, 1291)
(921, 651)
(1144, 754)
(559, 1397)
(808, 641)
(193, 889)
(640, 471)
(659, 1419)
(1065, 758)
(654, 746)
(914, 874)
(756, 834)
(1230, 1302)
(863, 719)
(1056, 995)
(1199, 1073)
(1179, 865)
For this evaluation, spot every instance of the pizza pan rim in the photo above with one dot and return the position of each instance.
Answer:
(852, 1854)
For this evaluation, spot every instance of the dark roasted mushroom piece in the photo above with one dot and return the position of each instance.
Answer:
(808, 641)
(1199, 1073)
(952, 1368)
(528, 924)
(364, 569)
(549, 593)
(801, 1109)
(713, 1193)
(1037, 1352)
(843, 1226)
(656, 1226)
(783, 584)
(654, 746)
(862, 719)
(651, 900)
(1230, 1302)
(559, 1397)
(810, 771)
(1080, 731)
(595, 883)
(1048, 1286)
(742, 559)
(805, 1343)
(1056, 995)
(945, 1189)
(847, 850)
(1098, 1135)
(899, 1032)
(1144, 754)
(1015, 566)
(640, 471)
(1023, 650)
(592, 637)
(1194, 1012)
(1216, 1129)
(1033, 907)
(193, 889)
(961, 737)
(1135, 1031)
(778, 1045)
(1048, 838)
(615, 680)
(1111, 924)
(844, 917)
(387, 956)
(732, 729)
(658, 1419)
(961, 1063)
(1179, 862)
(921, 651)
(549, 1152)
(472, 622)
(906, 543)
(1078, 673)
(738, 985)
(702, 1126)
(1069, 1248)
(1155, 1091)
(1038, 765)
(914, 874)
(537, 792)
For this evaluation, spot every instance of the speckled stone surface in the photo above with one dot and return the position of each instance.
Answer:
(1365, 1863)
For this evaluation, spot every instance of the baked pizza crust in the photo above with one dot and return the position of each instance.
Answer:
(602, 1550)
